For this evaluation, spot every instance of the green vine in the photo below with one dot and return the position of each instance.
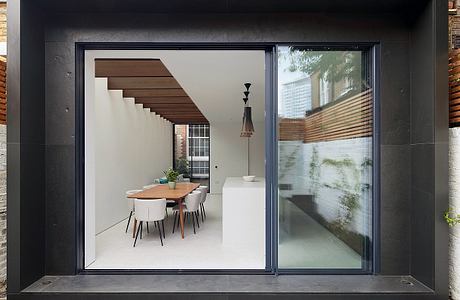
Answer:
(289, 162)
(314, 171)
(350, 187)
(451, 217)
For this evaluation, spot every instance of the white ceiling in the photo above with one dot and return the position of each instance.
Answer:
(214, 79)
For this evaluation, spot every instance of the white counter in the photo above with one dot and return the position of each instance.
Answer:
(243, 215)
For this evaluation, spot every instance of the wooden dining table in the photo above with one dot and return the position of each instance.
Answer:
(163, 191)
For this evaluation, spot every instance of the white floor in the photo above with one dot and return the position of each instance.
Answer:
(203, 250)
(309, 245)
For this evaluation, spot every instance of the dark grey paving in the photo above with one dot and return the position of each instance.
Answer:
(227, 284)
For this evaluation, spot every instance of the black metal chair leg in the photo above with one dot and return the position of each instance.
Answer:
(159, 231)
(174, 223)
(193, 222)
(142, 228)
(202, 214)
(197, 222)
(137, 234)
(163, 228)
(178, 221)
(129, 220)
(147, 227)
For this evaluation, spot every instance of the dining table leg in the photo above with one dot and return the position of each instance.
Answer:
(181, 217)
(134, 228)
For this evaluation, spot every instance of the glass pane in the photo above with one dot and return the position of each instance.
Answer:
(325, 159)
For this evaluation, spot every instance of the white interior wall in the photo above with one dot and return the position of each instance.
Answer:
(132, 147)
(257, 150)
(229, 152)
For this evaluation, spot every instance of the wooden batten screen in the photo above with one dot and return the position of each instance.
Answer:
(3, 92)
(291, 129)
(454, 88)
(344, 119)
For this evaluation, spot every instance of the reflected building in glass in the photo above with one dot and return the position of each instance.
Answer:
(296, 98)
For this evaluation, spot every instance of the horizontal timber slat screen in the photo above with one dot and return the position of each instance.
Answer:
(344, 119)
(454, 88)
(3, 92)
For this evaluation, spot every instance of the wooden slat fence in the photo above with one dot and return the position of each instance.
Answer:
(454, 88)
(291, 129)
(345, 119)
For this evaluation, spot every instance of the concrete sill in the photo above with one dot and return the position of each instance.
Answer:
(228, 284)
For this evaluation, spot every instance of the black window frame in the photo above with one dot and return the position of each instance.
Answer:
(271, 137)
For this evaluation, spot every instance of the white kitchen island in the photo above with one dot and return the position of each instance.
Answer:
(243, 217)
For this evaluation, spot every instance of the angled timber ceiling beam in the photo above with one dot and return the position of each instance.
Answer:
(151, 84)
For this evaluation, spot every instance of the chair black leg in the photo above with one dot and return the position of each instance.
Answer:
(204, 211)
(174, 223)
(129, 220)
(163, 228)
(137, 234)
(155, 224)
(196, 216)
(142, 228)
(159, 231)
(147, 227)
(193, 222)
(202, 214)
(178, 221)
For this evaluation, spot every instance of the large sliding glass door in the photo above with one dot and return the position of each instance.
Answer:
(325, 158)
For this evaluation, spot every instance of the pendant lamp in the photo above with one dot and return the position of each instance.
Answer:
(247, 128)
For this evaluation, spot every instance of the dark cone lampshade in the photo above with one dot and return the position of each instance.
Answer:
(248, 128)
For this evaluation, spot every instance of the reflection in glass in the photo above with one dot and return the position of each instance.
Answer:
(324, 159)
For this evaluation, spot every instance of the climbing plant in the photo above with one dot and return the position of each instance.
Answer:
(349, 185)
(314, 170)
(288, 162)
(451, 217)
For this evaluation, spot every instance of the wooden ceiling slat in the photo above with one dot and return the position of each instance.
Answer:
(155, 93)
(177, 113)
(150, 83)
(171, 100)
(120, 83)
(182, 106)
(131, 67)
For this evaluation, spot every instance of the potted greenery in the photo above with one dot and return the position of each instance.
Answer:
(171, 176)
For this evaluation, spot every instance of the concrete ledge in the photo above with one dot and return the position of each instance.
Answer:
(229, 284)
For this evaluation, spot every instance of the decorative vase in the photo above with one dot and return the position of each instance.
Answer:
(172, 185)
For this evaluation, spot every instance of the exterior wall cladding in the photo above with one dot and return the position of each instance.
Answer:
(412, 130)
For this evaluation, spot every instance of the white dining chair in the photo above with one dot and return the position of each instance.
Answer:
(130, 205)
(150, 210)
(191, 207)
(204, 195)
(169, 203)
